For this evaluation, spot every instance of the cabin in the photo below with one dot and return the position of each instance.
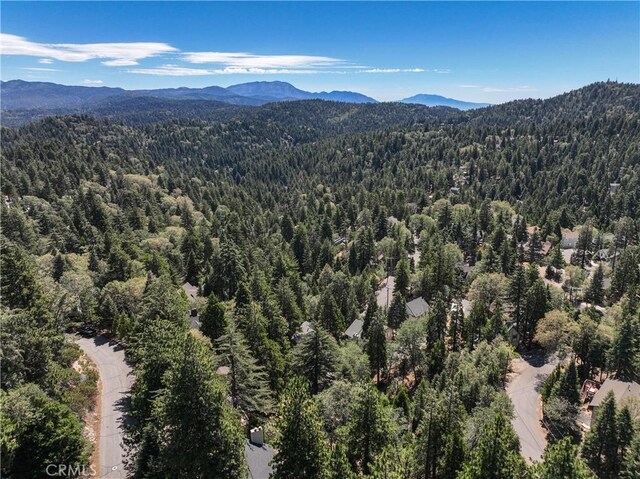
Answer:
(513, 335)
(354, 331)
(569, 239)
(417, 308)
(621, 390)
(305, 328)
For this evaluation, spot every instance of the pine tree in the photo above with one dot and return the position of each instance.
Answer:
(328, 314)
(517, 292)
(624, 349)
(595, 292)
(496, 454)
(369, 429)
(370, 313)
(437, 321)
(213, 318)
(315, 358)
(456, 327)
(301, 449)
(561, 460)
(403, 277)
(567, 386)
(600, 446)
(376, 346)
(198, 430)
(397, 311)
(535, 307)
(248, 386)
(453, 454)
(583, 245)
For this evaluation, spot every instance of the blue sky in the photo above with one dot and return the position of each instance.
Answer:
(481, 51)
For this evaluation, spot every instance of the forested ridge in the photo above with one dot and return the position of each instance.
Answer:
(293, 213)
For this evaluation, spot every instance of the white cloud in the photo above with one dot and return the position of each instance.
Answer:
(45, 61)
(468, 86)
(35, 69)
(114, 54)
(92, 82)
(441, 70)
(250, 60)
(393, 70)
(176, 70)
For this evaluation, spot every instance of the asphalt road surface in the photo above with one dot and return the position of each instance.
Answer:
(524, 391)
(116, 383)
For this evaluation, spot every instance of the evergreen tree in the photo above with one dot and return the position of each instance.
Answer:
(370, 313)
(328, 314)
(376, 346)
(600, 447)
(397, 311)
(369, 429)
(595, 292)
(301, 449)
(213, 318)
(437, 321)
(403, 277)
(315, 358)
(248, 386)
(198, 431)
(624, 349)
(561, 460)
(496, 454)
(584, 244)
(516, 294)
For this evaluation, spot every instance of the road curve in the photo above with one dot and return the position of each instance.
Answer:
(524, 390)
(116, 384)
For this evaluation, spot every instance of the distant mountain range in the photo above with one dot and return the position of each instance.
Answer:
(23, 95)
(437, 100)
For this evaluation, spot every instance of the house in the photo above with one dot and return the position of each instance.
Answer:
(354, 331)
(339, 241)
(602, 255)
(513, 335)
(305, 328)
(190, 290)
(259, 457)
(613, 187)
(546, 247)
(569, 239)
(465, 306)
(454, 190)
(392, 220)
(621, 390)
(194, 320)
(417, 308)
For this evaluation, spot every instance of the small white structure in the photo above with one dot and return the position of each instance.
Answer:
(256, 436)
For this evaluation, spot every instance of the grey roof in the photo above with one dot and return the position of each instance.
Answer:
(355, 329)
(417, 307)
(306, 327)
(258, 459)
(192, 291)
(621, 389)
(194, 322)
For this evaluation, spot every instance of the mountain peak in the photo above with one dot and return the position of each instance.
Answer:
(439, 100)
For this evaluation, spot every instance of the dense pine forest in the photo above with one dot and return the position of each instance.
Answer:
(517, 227)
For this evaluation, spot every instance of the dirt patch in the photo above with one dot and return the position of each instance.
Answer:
(91, 417)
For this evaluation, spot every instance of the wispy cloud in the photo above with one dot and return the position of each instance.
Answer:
(92, 82)
(180, 71)
(113, 54)
(251, 60)
(393, 70)
(45, 61)
(37, 69)
(441, 70)
(468, 86)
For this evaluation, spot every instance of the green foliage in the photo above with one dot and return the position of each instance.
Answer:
(315, 358)
(38, 431)
(302, 448)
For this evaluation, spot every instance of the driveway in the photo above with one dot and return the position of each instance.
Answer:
(384, 295)
(529, 372)
(116, 383)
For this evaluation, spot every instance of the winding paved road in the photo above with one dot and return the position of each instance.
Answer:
(524, 390)
(116, 383)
